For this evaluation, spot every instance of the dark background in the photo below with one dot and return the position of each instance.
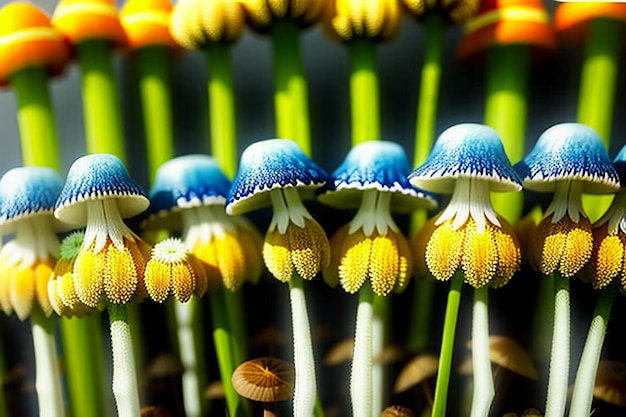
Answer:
(552, 99)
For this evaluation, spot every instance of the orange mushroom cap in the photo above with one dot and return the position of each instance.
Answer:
(147, 22)
(84, 20)
(27, 39)
(571, 20)
(507, 22)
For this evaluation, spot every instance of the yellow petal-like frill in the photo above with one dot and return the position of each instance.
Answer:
(354, 261)
(444, 251)
(480, 255)
(607, 262)
(384, 263)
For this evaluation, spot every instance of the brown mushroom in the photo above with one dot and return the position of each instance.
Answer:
(611, 382)
(27, 39)
(267, 380)
(397, 411)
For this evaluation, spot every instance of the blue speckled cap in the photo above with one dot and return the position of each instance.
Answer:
(270, 164)
(375, 165)
(186, 181)
(96, 177)
(26, 192)
(568, 152)
(619, 163)
(466, 150)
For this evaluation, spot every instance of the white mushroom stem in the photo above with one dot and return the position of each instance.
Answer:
(483, 379)
(125, 388)
(188, 346)
(48, 379)
(305, 390)
(361, 382)
(559, 356)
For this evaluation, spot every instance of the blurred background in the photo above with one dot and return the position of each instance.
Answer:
(553, 96)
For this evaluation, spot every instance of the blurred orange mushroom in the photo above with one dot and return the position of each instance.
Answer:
(503, 22)
(572, 20)
(146, 23)
(27, 39)
(85, 20)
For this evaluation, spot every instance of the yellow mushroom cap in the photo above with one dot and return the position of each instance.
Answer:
(377, 20)
(27, 39)
(84, 20)
(146, 23)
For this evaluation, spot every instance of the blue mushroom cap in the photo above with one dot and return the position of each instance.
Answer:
(271, 164)
(98, 177)
(27, 192)
(466, 150)
(375, 165)
(568, 152)
(619, 163)
(186, 181)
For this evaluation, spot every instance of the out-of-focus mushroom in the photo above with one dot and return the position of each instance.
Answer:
(416, 371)
(267, 380)
(397, 411)
(611, 382)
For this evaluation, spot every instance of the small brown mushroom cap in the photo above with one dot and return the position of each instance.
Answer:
(264, 379)
(509, 354)
(610, 384)
(397, 411)
(420, 368)
(27, 39)
(147, 23)
(85, 20)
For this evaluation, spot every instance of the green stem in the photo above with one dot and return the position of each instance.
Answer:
(599, 76)
(124, 385)
(361, 382)
(364, 95)
(103, 119)
(584, 384)
(598, 86)
(430, 80)
(190, 346)
(222, 108)
(559, 356)
(48, 379)
(222, 338)
(83, 353)
(506, 111)
(4, 412)
(305, 390)
(290, 86)
(153, 65)
(447, 346)
(484, 390)
(237, 319)
(35, 117)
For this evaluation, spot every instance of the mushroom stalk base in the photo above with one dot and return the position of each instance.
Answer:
(48, 380)
(559, 357)
(484, 390)
(124, 371)
(361, 382)
(305, 390)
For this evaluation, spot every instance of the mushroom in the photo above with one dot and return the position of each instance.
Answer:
(188, 196)
(27, 196)
(146, 24)
(610, 382)
(567, 160)
(93, 29)
(468, 240)
(276, 172)
(267, 380)
(98, 194)
(397, 411)
(31, 50)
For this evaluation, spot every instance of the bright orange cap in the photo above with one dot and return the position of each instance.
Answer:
(146, 23)
(572, 19)
(27, 39)
(506, 22)
(84, 20)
